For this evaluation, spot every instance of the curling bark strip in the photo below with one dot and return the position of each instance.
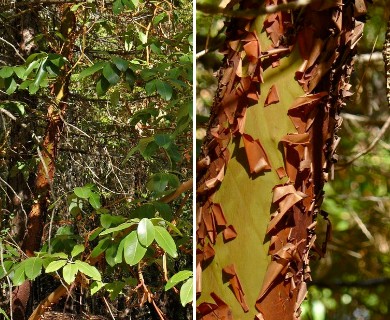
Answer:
(269, 149)
(46, 167)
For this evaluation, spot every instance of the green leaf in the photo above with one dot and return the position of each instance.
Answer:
(19, 71)
(145, 232)
(101, 247)
(19, 275)
(6, 72)
(165, 241)
(164, 210)
(4, 314)
(186, 291)
(10, 85)
(111, 73)
(40, 74)
(150, 87)
(159, 18)
(160, 181)
(117, 228)
(119, 253)
(130, 77)
(164, 90)
(133, 250)
(33, 88)
(7, 265)
(102, 85)
(83, 192)
(178, 277)
(110, 254)
(94, 200)
(55, 265)
(92, 69)
(120, 63)
(115, 288)
(106, 220)
(25, 84)
(96, 286)
(88, 270)
(69, 272)
(33, 65)
(33, 267)
(147, 210)
(117, 7)
(77, 249)
(163, 140)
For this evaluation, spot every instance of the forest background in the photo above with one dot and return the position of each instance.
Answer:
(96, 159)
(352, 281)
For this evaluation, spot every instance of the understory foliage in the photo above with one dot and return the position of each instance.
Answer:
(351, 280)
(268, 150)
(96, 159)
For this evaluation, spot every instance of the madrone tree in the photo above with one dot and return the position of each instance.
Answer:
(269, 149)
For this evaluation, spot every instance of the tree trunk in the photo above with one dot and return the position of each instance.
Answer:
(269, 149)
(48, 155)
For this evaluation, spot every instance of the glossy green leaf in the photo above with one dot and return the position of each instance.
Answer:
(6, 72)
(111, 73)
(55, 265)
(133, 250)
(163, 140)
(7, 266)
(165, 241)
(117, 228)
(102, 85)
(69, 272)
(110, 254)
(106, 220)
(77, 249)
(19, 71)
(120, 63)
(159, 18)
(92, 69)
(94, 200)
(33, 267)
(33, 65)
(41, 74)
(82, 192)
(145, 232)
(186, 291)
(130, 77)
(10, 85)
(19, 275)
(119, 253)
(96, 286)
(178, 277)
(101, 247)
(164, 90)
(88, 270)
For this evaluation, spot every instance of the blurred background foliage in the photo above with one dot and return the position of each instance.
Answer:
(353, 280)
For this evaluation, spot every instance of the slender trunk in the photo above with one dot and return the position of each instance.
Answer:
(48, 155)
(270, 147)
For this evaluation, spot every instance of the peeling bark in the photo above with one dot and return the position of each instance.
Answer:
(289, 150)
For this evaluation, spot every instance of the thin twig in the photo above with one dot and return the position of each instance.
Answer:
(13, 47)
(370, 147)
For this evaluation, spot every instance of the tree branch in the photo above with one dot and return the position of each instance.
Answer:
(185, 186)
(370, 147)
